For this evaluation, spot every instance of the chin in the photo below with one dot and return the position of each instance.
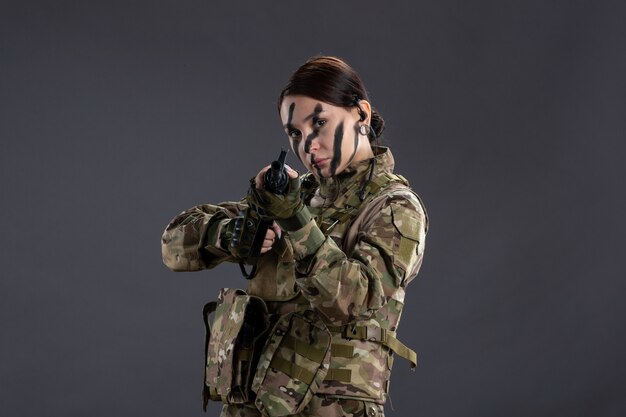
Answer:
(319, 174)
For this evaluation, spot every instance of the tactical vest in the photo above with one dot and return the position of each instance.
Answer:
(357, 361)
(362, 352)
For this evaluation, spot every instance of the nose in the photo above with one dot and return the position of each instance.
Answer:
(311, 144)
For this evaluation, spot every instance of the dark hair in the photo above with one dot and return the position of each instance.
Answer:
(332, 80)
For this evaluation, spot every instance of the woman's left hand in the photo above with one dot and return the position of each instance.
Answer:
(258, 180)
(274, 206)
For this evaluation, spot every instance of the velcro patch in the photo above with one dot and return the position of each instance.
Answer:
(407, 224)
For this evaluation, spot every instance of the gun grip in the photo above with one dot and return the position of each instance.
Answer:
(255, 248)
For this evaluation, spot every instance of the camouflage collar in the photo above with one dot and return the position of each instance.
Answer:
(340, 199)
(333, 187)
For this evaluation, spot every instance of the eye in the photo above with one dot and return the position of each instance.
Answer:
(294, 134)
(319, 123)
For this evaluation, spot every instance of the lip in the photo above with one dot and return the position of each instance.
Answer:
(319, 162)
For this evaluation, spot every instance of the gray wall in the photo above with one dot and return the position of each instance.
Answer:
(507, 117)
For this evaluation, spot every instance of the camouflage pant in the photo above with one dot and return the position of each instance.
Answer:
(319, 407)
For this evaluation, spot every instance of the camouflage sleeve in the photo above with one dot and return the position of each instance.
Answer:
(191, 241)
(387, 255)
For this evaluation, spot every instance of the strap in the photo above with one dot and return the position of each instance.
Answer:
(341, 351)
(402, 350)
(244, 354)
(304, 349)
(379, 335)
(306, 376)
(341, 375)
(291, 369)
(298, 221)
(214, 396)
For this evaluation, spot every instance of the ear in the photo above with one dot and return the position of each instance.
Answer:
(366, 108)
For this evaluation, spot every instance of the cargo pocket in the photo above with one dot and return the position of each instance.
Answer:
(233, 345)
(294, 362)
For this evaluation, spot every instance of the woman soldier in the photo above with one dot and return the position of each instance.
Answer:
(347, 238)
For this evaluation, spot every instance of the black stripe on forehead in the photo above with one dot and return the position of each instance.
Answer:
(316, 112)
(334, 163)
(292, 107)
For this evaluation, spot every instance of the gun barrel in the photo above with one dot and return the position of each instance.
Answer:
(276, 179)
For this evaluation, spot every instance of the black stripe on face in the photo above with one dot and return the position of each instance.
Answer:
(309, 140)
(290, 127)
(316, 112)
(294, 148)
(318, 170)
(334, 163)
(307, 144)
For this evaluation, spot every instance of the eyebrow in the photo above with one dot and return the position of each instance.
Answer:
(316, 112)
(318, 109)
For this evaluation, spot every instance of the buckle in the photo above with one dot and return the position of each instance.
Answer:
(369, 333)
(352, 331)
(375, 334)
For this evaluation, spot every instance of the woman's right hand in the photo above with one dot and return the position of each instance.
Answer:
(273, 232)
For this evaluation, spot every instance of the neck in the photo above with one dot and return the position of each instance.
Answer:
(363, 152)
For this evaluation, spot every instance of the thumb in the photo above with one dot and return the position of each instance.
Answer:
(291, 172)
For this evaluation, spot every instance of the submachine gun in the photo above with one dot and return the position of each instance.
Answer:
(249, 229)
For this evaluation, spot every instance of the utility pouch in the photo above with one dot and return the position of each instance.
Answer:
(293, 364)
(233, 345)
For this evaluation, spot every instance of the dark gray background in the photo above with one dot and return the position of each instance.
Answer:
(507, 117)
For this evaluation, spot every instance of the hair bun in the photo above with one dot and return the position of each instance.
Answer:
(377, 123)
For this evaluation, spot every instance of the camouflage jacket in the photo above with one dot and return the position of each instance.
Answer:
(354, 272)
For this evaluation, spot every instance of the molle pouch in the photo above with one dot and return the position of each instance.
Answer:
(293, 364)
(233, 345)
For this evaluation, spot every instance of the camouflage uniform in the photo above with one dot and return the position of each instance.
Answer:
(351, 263)
(318, 406)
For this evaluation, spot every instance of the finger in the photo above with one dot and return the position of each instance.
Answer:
(270, 234)
(267, 245)
(277, 229)
(258, 180)
(291, 172)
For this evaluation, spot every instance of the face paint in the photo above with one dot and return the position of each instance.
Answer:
(334, 163)
(316, 131)
(309, 139)
(316, 112)
(319, 172)
(290, 127)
